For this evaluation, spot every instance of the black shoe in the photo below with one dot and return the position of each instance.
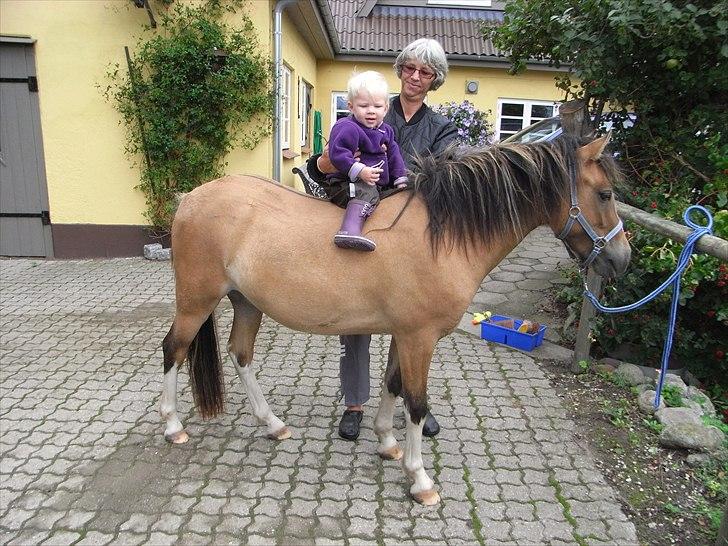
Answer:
(349, 424)
(431, 427)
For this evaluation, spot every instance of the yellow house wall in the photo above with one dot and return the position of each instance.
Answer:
(90, 180)
(494, 83)
(258, 161)
(302, 63)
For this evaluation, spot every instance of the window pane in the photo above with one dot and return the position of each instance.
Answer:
(341, 102)
(512, 109)
(541, 111)
(510, 125)
(340, 114)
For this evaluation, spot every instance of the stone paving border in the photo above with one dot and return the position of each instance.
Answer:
(84, 460)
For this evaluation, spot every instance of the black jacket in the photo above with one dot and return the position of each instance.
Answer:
(426, 131)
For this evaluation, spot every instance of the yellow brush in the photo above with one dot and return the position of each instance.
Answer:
(481, 317)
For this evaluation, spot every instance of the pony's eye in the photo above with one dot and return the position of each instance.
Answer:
(605, 195)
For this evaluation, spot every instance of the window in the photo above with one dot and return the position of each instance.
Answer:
(514, 115)
(285, 119)
(339, 107)
(305, 92)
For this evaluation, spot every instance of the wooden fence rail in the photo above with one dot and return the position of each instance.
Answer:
(707, 244)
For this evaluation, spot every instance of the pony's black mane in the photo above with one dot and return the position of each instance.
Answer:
(474, 194)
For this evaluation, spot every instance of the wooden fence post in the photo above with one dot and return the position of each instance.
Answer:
(582, 344)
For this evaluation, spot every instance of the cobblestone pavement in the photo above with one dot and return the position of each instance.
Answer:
(84, 460)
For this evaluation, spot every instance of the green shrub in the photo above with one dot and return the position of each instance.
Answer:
(672, 396)
(665, 61)
(193, 85)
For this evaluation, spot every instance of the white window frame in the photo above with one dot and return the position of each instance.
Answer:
(527, 118)
(285, 119)
(335, 95)
(305, 105)
(344, 94)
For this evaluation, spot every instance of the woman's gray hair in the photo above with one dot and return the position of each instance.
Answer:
(426, 51)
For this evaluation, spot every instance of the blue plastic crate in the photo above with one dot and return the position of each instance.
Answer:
(511, 337)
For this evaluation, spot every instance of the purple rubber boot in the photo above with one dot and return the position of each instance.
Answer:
(349, 236)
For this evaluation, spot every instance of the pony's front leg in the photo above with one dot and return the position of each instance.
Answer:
(415, 354)
(423, 488)
(246, 322)
(383, 422)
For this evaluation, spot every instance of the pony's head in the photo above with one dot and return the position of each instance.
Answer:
(588, 224)
(481, 195)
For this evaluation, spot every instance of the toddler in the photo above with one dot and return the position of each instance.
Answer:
(380, 164)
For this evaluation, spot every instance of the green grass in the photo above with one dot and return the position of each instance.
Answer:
(653, 424)
(672, 396)
(672, 509)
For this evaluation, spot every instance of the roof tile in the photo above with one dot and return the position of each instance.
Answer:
(390, 28)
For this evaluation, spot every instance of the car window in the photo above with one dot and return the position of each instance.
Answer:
(536, 132)
(550, 128)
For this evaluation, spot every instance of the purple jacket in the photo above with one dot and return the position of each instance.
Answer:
(348, 136)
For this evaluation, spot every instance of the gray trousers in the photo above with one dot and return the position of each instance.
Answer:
(342, 191)
(354, 368)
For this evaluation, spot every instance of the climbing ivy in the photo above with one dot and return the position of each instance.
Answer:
(195, 88)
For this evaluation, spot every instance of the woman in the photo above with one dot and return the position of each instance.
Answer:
(421, 67)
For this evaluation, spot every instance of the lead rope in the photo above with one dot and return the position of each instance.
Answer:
(674, 279)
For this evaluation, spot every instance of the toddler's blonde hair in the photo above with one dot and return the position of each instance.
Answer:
(370, 82)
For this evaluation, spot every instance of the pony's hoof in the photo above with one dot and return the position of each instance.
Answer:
(280, 434)
(428, 498)
(179, 437)
(393, 453)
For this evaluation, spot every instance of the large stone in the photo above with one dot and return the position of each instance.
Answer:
(672, 379)
(604, 368)
(631, 374)
(695, 398)
(156, 252)
(613, 362)
(678, 416)
(697, 459)
(691, 436)
(646, 402)
(644, 387)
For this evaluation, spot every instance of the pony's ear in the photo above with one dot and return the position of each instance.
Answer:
(594, 149)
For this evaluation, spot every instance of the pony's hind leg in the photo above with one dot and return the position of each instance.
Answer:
(383, 422)
(175, 346)
(246, 322)
(174, 431)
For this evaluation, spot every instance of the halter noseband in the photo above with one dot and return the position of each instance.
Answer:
(575, 214)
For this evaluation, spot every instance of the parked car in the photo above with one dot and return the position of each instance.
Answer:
(550, 128)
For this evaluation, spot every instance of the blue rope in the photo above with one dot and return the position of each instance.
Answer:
(674, 280)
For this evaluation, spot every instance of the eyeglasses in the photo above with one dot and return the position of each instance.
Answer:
(425, 73)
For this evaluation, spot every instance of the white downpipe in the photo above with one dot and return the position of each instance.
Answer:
(278, 63)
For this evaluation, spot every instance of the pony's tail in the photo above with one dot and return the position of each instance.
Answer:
(206, 370)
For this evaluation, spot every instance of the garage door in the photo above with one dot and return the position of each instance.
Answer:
(24, 215)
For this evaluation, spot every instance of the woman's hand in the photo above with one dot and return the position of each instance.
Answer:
(323, 163)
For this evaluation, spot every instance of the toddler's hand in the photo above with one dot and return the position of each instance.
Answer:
(370, 175)
(402, 185)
